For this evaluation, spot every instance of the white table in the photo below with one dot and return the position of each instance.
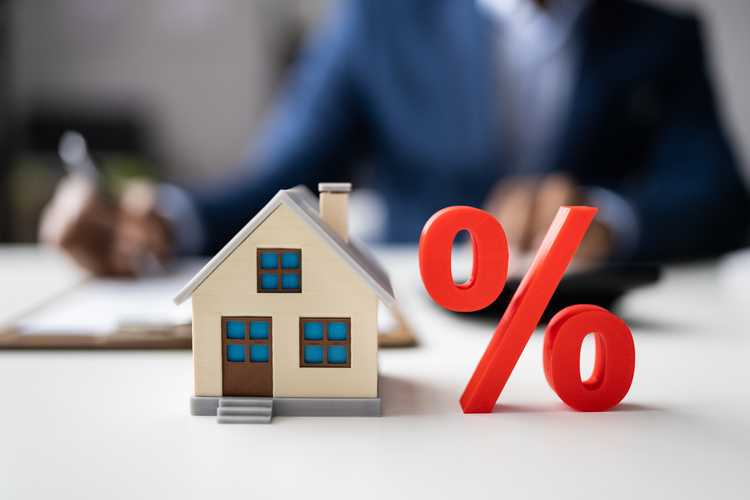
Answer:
(100, 425)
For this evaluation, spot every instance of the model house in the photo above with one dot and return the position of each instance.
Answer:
(285, 315)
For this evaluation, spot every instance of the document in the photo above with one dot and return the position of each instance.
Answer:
(80, 305)
(103, 306)
(31, 277)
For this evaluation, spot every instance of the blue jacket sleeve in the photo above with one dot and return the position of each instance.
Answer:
(313, 133)
(692, 201)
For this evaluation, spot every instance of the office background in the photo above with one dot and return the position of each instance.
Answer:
(177, 88)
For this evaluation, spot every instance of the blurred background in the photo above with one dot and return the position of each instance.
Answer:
(173, 89)
(142, 80)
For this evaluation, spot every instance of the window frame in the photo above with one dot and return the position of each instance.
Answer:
(279, 271)
(325, 343)
(247, 341)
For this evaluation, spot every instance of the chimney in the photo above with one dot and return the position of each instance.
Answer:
(334, 206)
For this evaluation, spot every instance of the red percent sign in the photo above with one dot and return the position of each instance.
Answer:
(615, 351)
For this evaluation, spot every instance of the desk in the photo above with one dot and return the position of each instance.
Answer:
(96, 425)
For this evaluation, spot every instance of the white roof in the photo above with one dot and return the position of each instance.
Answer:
(302, 202)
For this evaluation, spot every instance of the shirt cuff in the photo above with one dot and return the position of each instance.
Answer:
(620, 217)
(176, 206)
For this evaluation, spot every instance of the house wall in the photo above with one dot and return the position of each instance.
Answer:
(330, 288)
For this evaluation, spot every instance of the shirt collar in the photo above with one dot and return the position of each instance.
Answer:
(524, 23)
(527, 15)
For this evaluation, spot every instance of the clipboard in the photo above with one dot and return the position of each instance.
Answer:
(66, 309)
(176, 337)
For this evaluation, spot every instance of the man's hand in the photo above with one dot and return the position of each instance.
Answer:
(123, 240)
(526, 207)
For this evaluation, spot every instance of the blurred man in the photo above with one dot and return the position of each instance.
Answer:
(519, 106)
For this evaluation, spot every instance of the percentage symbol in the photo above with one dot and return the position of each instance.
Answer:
(615, 351)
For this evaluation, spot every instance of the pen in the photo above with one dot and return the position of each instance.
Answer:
(74, 153)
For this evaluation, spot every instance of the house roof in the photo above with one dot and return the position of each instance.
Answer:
(305, 204)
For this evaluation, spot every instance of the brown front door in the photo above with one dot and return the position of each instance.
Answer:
(246, 356)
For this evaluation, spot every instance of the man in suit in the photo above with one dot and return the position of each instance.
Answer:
(518, 106)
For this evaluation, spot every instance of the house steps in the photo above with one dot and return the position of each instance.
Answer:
(245, 410)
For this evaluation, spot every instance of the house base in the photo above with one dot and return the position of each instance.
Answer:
(297, 407)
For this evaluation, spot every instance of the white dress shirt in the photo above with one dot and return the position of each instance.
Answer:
(536, 63)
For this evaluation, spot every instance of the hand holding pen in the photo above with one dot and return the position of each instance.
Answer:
(108, 235)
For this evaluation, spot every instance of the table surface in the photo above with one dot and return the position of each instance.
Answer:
(78, 424)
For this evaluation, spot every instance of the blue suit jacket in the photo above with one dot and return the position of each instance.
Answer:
(411, 83)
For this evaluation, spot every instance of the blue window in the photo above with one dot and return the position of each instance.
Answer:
(269, 260)
(235, 329)
(269, 281)
(337, 354)
(236, 353)
(313, 330)
(325, 342)
(290, 260)
(338, 330)
(259, 353)
(313, 354)
(247, 339)
(279, 270)
(290, 281)
(259, 329)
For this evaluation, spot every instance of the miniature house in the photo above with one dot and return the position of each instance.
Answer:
(285, 315)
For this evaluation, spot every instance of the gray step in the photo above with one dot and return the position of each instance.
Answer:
(243, 410)
(244, 419)
(256, 402)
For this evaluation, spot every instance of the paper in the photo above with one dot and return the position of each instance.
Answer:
(387, 322)
(104, 306)
(31, 277)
